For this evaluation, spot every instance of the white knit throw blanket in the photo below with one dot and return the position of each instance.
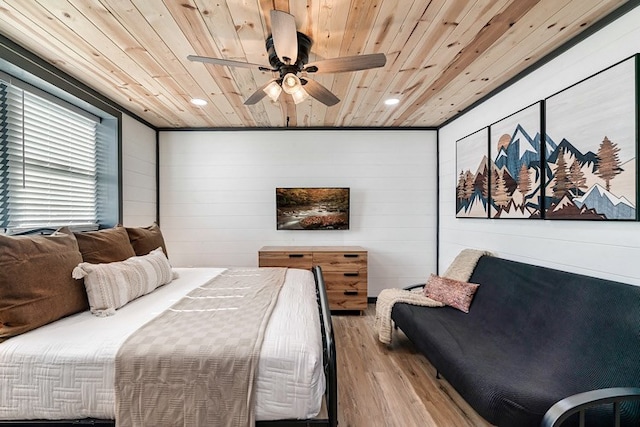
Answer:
(460, 269)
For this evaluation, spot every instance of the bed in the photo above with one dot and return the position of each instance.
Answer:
(63, 373)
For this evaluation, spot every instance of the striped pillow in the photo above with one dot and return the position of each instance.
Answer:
(110, 286)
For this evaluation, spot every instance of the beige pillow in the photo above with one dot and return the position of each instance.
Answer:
(146, 239)
(108, 245)
(110, 286)
(450, 292)
(36, 286)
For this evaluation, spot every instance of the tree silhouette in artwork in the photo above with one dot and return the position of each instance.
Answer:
(460, 187)
(495, 176)
(524, 180)
(485, 185)
(608, 161)
(468, 185)
(501, 197)
(561, 187)
(577, 180)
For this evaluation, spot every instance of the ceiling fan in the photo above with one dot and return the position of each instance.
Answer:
(288, 52)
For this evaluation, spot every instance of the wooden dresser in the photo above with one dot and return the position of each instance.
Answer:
(344, 269)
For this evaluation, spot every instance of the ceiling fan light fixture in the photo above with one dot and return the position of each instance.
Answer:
(291, 83)
(299, 96)
(273, 90)
(288, 53)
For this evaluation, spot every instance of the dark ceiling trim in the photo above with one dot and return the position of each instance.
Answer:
(35, 65)
(243, 129)
(597, 26)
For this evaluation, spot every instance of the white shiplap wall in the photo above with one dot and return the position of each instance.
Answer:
(138, 173)
(217, 195)
(603, 249)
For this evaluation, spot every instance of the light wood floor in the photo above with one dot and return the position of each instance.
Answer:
(391, 386)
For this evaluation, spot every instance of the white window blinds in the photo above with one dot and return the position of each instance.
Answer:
(48, 172)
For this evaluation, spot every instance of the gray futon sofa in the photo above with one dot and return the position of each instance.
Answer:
(532, 337)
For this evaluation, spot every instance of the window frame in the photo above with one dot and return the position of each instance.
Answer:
(27, 67)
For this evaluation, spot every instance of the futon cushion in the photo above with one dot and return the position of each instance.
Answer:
(145, 239)
(453, 293)
(533, 336)
(110, 286)
(36, 286)
(109, 245)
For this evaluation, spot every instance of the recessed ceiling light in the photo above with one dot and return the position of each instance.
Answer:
(391, 101)
(199, 102)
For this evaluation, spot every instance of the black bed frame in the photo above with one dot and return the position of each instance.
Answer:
(330, 370)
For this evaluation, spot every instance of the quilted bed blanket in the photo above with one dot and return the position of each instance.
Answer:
(195, 363)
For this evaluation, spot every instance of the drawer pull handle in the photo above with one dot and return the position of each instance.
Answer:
(296, 255)
(351, 292)
(351, 274)
(351, 255)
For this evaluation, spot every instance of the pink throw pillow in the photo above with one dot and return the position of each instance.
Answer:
(450, 292)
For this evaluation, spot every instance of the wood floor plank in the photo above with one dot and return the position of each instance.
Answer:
(391, 386)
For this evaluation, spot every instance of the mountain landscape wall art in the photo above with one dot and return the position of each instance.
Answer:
(472, 165)
(591, 147)
(515, 151)
(572, 156)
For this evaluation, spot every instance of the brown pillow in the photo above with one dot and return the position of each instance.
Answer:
(450, 292)
(36, 286)
(146, 239)
(102, 246)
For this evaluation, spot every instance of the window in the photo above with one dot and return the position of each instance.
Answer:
(49, 174)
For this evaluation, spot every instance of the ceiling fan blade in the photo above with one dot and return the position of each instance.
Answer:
(319, 92)
(347, 63)
(258, 94)
(285, 36)
(227, 62)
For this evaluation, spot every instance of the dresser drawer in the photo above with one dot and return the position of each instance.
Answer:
(347, 299)
(302, 260)
(340, 261)
(343, 280)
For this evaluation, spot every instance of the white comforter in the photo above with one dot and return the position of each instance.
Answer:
(66, 370)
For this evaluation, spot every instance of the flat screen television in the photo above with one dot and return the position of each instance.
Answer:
(312, 208)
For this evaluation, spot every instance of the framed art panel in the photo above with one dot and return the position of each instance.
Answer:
(591, 147)
(515, 151)
(472, 168)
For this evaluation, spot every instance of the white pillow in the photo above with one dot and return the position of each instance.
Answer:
(110, 286)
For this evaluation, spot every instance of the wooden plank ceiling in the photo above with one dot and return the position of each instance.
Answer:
(442, 55)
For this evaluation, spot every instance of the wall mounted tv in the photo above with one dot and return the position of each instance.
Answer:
(312, 208)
